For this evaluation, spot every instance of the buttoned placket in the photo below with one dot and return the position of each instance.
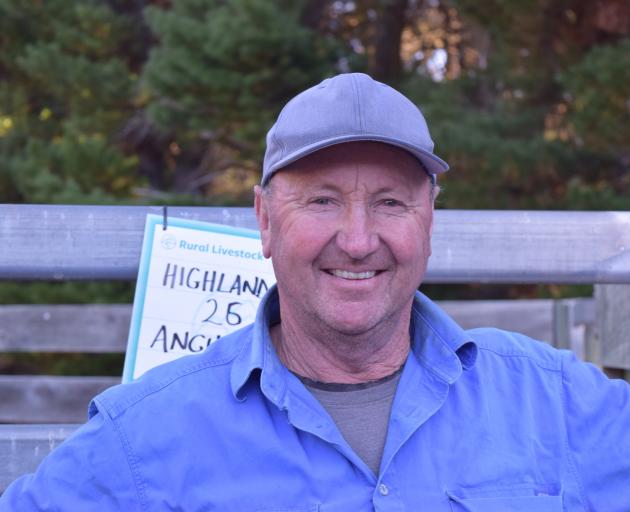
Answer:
(420, 395)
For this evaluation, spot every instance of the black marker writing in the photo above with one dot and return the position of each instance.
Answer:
(194, 278)
(187, 342)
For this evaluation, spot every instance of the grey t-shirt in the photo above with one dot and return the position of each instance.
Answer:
(361, 412)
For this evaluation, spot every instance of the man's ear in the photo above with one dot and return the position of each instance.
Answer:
(431, 233)
(434, 193)
(261, 206)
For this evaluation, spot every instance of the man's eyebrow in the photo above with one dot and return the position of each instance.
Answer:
(323, 187)
(406, 191)
(384, 190)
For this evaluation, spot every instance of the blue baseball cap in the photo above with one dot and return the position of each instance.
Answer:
(346, 108)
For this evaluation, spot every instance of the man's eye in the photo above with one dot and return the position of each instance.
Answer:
(391, 202)
(321, 201)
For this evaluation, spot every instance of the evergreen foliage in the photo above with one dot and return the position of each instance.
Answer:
(219, 74)
(66, 90)
(103, 100)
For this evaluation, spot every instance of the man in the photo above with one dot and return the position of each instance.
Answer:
(351, 391)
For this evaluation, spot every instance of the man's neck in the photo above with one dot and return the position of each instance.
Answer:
(339, 358)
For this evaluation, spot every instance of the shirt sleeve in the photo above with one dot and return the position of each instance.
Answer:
(90, 471)
(598, 427)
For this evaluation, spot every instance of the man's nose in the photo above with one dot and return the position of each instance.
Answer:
(357, 236)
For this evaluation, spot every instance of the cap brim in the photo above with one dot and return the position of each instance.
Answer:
(432, 163)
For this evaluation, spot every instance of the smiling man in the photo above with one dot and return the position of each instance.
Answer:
(351, 391)
(348, 230)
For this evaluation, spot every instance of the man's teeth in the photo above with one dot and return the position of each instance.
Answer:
(353, 275)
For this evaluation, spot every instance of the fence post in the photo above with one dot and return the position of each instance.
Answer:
(613, 328)
(572, 324)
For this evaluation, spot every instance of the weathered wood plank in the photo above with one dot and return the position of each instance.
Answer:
(64, 399)
(103, 242)
(88, 328)
(530, 317)
(22, 448)
(94, 328)
(46, 399)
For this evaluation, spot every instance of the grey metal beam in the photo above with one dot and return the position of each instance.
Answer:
(103, 242)
(531, 247)
(22, 448)
(61, 242)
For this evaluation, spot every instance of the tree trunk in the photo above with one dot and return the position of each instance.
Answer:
(386, 64)
(313, 13)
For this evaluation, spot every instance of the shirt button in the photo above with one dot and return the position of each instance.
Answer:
(383, 489)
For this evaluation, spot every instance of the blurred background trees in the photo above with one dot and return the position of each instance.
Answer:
(66, 87)
(162, 101)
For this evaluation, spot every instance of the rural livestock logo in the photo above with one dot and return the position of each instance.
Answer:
(168, 241)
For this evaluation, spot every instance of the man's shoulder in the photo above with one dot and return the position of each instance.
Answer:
(171, 382)
(500, 344)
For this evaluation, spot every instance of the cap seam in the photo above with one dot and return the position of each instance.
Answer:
(276, 139)
(357, 103)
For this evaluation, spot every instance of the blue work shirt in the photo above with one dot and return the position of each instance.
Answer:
(483, 420)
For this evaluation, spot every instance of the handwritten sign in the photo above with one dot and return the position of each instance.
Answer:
(196, 283)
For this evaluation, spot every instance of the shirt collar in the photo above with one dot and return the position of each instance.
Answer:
(260, 354)
(437, 342)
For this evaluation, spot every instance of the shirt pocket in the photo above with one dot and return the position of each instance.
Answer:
(507, 500)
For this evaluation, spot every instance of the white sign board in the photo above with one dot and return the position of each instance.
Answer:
(196, 283)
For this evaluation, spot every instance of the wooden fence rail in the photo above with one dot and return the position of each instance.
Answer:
(103, 329)
(43, 242)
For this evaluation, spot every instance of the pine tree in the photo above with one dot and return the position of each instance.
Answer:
(219, 75)
(65, 92)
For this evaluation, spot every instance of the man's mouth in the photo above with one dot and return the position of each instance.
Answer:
(346, 274)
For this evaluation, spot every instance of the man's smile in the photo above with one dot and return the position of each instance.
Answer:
(346, 274)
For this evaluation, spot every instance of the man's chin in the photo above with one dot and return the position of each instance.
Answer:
(350, 326)
(356, 319)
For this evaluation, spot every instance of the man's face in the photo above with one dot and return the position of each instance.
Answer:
(348, 230)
